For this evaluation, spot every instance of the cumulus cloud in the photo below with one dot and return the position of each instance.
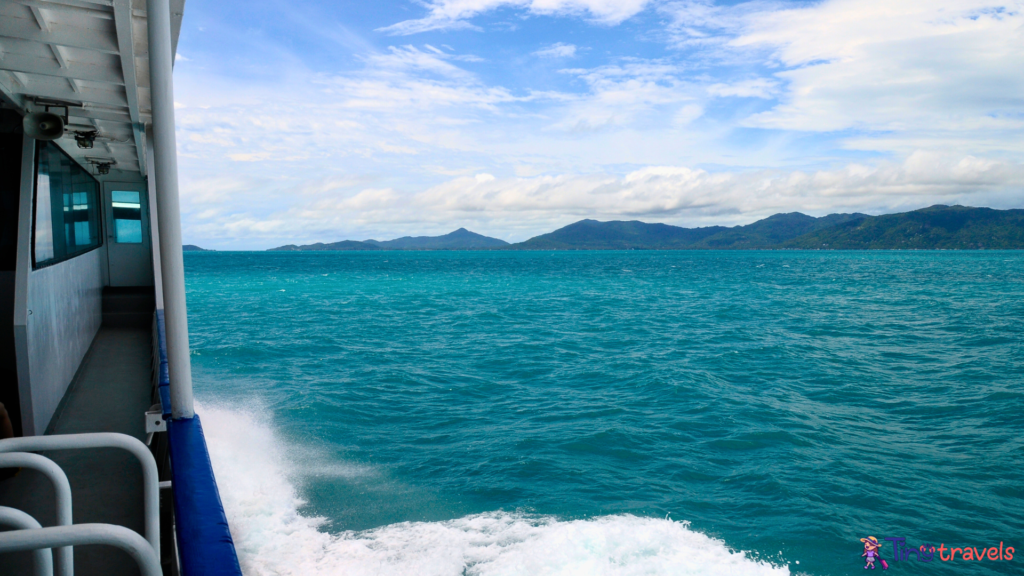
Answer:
(908, 65)
(672, 190)
(519, 207)
(873, 65)
(453, 14)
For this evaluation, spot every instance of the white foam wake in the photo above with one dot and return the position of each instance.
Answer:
(273, 539)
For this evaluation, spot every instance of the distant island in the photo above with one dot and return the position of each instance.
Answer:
(460, 239)
(772, 232)
(193, 248)
(935, 228)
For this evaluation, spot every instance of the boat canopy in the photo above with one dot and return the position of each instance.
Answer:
(90, 56)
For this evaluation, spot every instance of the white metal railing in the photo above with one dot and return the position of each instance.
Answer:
(62, 492)
(42, 557)
(82, 535)
(150, 475)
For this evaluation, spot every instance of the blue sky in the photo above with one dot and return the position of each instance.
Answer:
(320, 121)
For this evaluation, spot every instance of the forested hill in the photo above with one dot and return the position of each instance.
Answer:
(327, 247)
(771, 232)
(460, 239)
(934, 228)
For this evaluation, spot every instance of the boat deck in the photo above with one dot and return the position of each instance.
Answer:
(110, 393)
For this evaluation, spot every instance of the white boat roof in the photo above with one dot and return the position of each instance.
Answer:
(90, 53)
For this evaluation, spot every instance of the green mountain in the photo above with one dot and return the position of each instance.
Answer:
(193, 248)
(460, 239)
(617, 235)
(935, 228)
(321, 247)
(634, 235)
(773, 231)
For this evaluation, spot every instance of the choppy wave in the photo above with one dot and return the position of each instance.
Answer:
(254, 471)
(787, 404)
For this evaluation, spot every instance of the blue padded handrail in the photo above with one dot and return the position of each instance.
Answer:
(205, 546)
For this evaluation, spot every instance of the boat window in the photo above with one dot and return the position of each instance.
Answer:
(127, 217)
(44, 227)
(66, 210)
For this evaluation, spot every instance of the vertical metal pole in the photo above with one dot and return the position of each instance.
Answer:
(154, 224)
(22, 277)
(165, 159)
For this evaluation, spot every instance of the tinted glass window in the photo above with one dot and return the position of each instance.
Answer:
(44, 217)
(67, 213)
(127, 217)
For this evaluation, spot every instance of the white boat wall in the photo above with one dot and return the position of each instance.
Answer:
(103, 465)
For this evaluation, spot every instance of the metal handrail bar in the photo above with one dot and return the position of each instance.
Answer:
(17, 519)
(150, 475)
(82, 535)
(62, 495)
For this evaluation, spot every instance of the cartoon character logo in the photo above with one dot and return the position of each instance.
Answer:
(870, 554)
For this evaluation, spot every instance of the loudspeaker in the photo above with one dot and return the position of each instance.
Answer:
(43, 126)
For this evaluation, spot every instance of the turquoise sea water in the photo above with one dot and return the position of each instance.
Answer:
(611, 412)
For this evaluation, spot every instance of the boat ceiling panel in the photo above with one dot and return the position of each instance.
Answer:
(91, 54)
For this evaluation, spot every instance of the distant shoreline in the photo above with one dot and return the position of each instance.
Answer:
(937, 228)
(933, 228)
(507, 251)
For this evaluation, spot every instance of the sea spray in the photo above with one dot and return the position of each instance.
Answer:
(253, 470)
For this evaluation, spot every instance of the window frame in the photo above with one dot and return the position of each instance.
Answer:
(98, 196)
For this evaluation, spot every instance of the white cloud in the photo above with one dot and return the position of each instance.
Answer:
(409, 103)
(688, 113)
(558, 50)
(671, 191)
(702, 24)
(635, 91)
(895, 66)
(519, 207)
(453, 14)
(756, 88)
(417, 141)
(406, 58)
(935, 67)
(404, 101)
